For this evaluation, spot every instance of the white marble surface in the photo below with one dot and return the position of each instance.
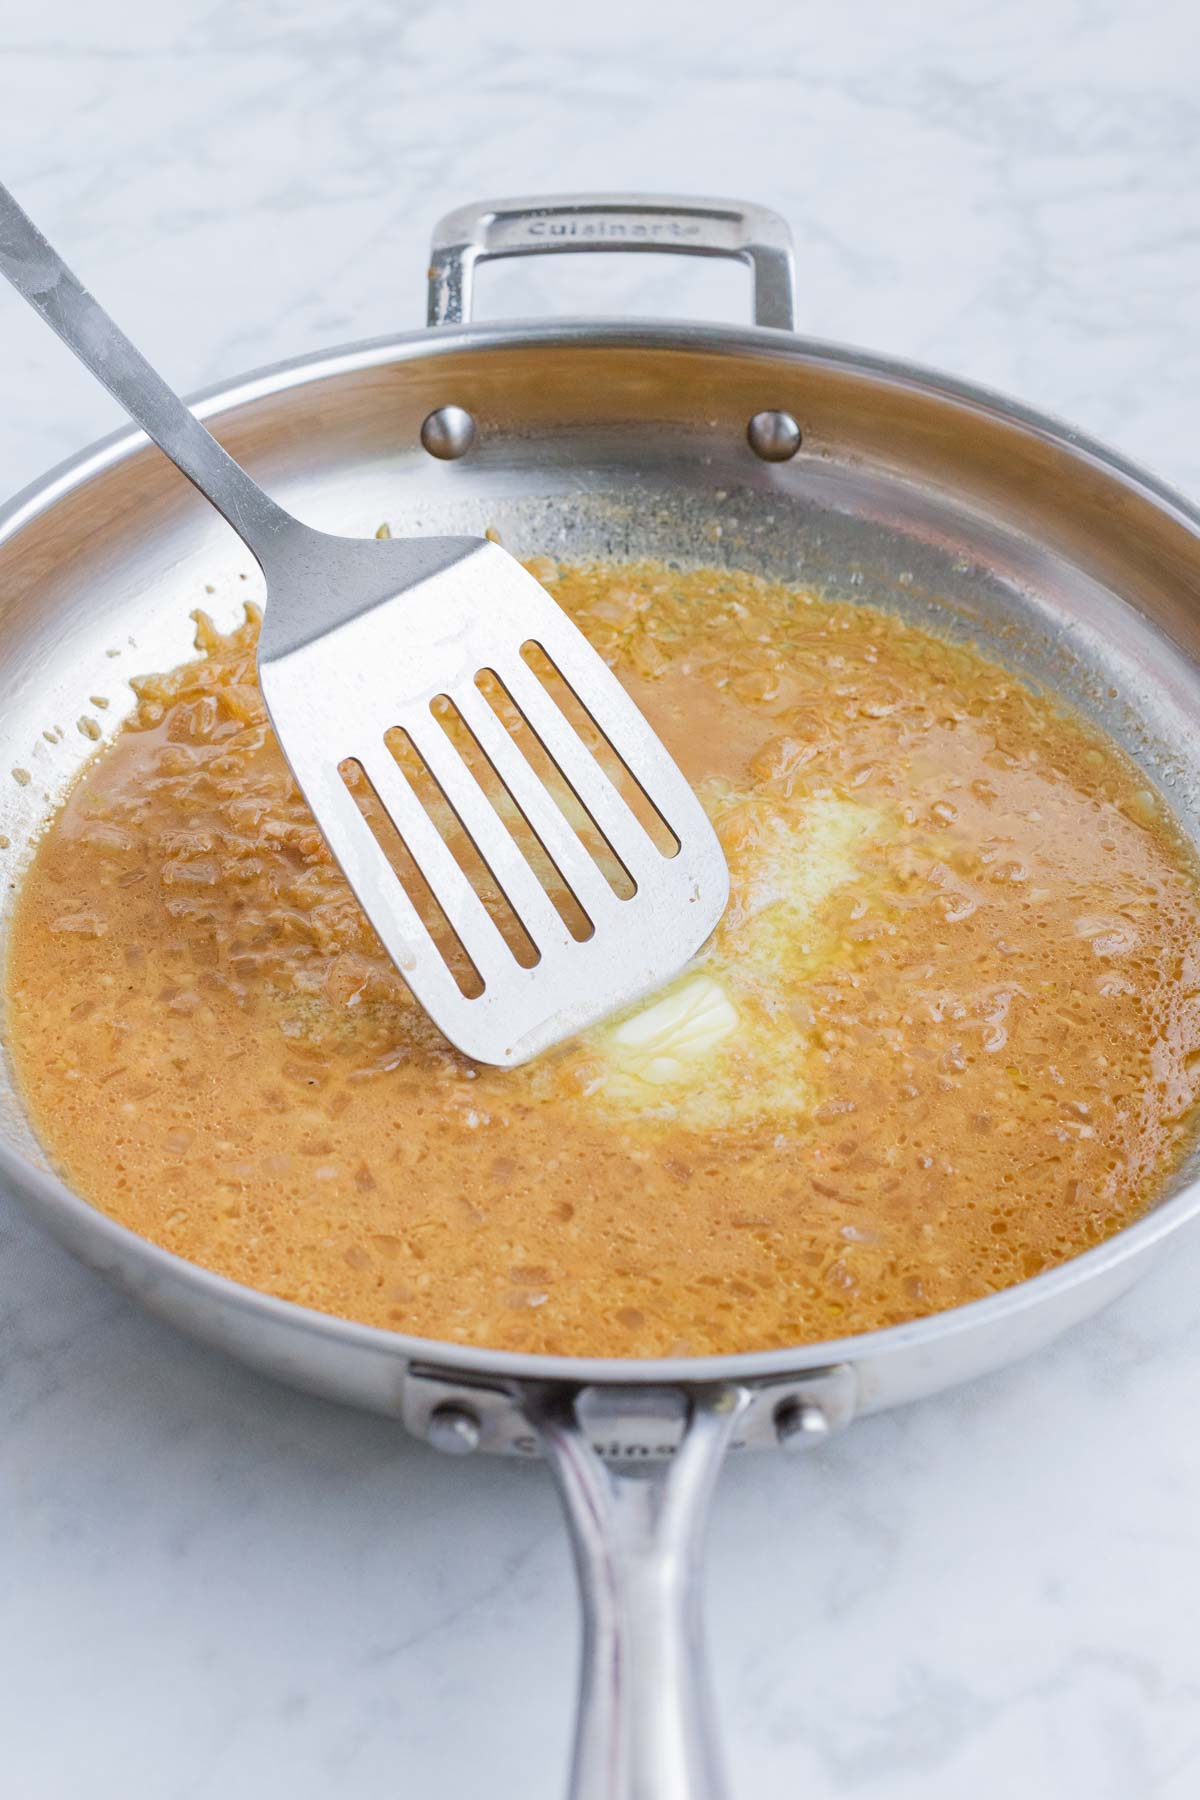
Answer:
(210, 1587)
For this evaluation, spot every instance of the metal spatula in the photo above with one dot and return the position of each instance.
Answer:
(364, 638)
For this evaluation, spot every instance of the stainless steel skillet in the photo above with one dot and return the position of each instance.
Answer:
(750, 446)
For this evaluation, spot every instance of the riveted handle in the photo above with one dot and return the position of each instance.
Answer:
(583, 222)
(646, 1728)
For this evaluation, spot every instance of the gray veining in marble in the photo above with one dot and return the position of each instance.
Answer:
(212, 1589)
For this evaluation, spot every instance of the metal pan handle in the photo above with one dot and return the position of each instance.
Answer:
(548, 226)
(646, 1728)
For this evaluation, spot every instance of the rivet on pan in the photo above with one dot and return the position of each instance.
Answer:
(448, 433)
(800, 1424)
(454, 1430)
(775, 436)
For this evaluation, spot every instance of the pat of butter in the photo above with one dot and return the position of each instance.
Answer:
(723, 1046)
(664, 1042)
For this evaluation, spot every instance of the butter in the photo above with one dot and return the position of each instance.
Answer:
(668, 1040)
(722, 1043)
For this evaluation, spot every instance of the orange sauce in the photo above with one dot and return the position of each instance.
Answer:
(957, 1013)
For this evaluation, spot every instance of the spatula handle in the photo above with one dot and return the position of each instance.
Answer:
(39, 273)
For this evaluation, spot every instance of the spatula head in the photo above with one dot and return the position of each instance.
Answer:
(530, 855)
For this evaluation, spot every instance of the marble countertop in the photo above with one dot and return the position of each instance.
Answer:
(214, 1589)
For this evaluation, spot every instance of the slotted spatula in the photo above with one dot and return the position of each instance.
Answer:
(362, 636)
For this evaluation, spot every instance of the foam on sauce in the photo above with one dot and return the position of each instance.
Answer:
(947, 1035)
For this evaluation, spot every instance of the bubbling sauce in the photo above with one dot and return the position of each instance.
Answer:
(946, 1036)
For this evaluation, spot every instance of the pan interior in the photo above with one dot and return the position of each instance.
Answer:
(976, 524)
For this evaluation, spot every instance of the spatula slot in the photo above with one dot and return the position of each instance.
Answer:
(408, 872)
(455, 833)
(557, 782)
(587, 727)
(554, 881)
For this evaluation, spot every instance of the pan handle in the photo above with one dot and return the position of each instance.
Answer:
(646, 1727)
(556, 223)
